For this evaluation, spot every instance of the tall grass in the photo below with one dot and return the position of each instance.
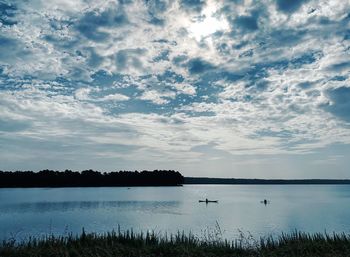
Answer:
(128, 243)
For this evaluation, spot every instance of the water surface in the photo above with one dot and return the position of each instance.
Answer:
(42, 211)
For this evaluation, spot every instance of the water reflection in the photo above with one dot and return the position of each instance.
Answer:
(40, 207)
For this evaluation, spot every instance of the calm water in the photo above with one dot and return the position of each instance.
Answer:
(28, 212)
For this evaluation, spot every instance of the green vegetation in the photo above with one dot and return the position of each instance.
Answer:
(150, 244)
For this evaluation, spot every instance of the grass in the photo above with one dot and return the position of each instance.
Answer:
(130, 244)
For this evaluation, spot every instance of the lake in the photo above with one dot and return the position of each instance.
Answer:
(59, 211)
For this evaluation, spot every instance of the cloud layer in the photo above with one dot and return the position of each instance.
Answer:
(212, 88)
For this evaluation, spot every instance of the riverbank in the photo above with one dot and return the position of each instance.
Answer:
(118, 244)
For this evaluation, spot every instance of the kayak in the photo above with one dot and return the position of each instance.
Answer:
(204, 201)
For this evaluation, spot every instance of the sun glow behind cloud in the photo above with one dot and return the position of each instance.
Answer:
(208, 23)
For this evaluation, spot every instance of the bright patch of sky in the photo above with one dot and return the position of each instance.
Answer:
(210, 88)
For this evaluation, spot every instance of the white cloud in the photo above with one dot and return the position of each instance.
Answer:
(157, 97)
(83, 93)
(114, 97)
(185, 88)
(264, 93)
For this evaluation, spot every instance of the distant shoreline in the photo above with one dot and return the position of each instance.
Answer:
(155, 178)
(89, 178)
(241, 181)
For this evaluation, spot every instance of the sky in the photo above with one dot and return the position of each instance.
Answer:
(236, 88)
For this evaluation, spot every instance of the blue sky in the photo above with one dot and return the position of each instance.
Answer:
(233, 88)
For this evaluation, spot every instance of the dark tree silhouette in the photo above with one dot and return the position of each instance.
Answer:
(242, 181)
(89, 178)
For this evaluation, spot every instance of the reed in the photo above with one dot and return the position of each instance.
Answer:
(128, 243)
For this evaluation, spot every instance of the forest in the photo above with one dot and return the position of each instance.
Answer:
(90, 178)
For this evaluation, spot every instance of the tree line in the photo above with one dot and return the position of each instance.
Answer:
(89, 178)
(240, 181)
